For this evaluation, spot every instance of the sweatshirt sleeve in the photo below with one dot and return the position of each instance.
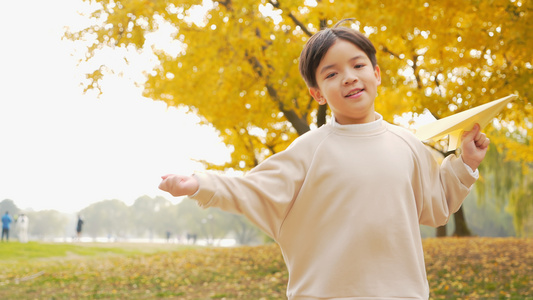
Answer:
(443, 188)
(264, 195)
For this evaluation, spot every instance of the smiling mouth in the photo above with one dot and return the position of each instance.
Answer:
(354, 92)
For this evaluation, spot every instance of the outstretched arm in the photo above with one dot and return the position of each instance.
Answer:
(474, 147)
(178, 185)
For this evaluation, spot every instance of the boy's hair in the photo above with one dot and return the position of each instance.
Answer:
(318, 44)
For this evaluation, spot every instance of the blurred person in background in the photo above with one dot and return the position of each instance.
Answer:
(22, 226)
(6, 222)
(79, 227)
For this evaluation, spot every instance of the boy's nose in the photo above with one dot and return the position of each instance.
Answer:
(350, 78)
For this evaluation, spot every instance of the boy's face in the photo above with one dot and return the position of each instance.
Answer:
(348, 82)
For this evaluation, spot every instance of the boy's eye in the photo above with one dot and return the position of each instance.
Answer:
(358, 66)
(330, 75)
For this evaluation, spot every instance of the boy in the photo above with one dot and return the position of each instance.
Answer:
(344, 202)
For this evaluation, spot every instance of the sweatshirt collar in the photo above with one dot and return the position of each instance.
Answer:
(374, 125)
(367, 129)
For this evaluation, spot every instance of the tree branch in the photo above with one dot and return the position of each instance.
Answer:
(386, 50)
(277, 5)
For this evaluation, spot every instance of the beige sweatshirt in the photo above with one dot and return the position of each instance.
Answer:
(344, 203)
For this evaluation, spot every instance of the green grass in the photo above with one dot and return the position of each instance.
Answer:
(458, 268)
(17, 252)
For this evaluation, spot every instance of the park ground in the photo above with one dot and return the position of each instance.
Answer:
(458, 268)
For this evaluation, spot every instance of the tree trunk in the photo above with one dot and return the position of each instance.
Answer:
(461, 229)
(321, 115)
(441, 231)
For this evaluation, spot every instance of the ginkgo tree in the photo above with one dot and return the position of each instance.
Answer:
(237, 62)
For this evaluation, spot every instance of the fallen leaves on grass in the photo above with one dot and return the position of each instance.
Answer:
(203, 273)
(480, 268)
(458, 268)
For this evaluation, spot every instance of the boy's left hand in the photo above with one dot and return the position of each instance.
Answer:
(474, 146)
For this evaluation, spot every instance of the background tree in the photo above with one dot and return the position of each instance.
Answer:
(150, 217)
(189, 217)
(213, 223)
(491, 219)
(48, 224)
(9, 206)
(167, 219)
(245, 232)
(108, 218)
(509, 182)
(237, 64)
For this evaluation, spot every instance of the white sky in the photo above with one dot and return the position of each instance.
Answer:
(62, 150)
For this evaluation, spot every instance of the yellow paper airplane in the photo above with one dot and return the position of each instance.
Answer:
(455, 125)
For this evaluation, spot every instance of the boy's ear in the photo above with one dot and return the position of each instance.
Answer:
(377, 73)
(317, 95)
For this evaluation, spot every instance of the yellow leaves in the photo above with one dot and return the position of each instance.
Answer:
(238, 69)
(94, 80)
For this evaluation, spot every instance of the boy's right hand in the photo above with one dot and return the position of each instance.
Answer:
(178, 185)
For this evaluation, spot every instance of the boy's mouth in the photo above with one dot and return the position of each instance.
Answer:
(354, 92)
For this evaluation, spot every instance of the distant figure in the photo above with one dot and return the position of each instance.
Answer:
(168, 236)
(191, 237)
(22, 226)
(79, 227)
(6, 221)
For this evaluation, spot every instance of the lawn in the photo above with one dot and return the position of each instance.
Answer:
(458, 268)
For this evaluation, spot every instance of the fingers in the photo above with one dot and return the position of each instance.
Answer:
(480, 139)
(475, 135)
(475, 145)
(162, 186)
(167, 183)
(472, 134)
(178, 185)
(483, 142)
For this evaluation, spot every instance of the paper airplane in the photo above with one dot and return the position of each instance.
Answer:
(455, 125)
